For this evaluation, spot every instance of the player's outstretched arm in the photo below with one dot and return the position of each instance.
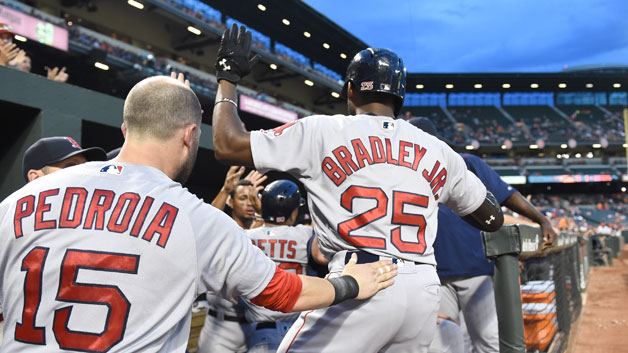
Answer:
(288, 292)
(488, 217)
(232, 143)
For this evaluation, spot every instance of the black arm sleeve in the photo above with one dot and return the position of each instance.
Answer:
(488, 217)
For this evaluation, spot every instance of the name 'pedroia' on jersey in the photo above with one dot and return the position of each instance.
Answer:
(374, 151)
(76, 211)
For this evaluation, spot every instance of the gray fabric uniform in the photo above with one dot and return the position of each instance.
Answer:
(374, 184)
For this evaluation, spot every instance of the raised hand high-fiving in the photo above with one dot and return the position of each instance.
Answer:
(234, 59)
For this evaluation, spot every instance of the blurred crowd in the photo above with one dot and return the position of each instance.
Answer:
(586, 213)
(477, 124)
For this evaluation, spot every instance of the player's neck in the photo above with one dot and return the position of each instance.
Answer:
(286, 223)
(378, 109)
(244, 223)
(150, 153)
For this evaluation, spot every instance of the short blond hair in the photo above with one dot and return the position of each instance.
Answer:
(159, 106)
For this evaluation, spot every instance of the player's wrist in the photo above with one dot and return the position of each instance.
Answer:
(345, 288)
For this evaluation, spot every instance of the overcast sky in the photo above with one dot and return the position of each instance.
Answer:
(488, 35)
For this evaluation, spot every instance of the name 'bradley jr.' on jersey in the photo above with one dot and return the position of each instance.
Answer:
(76, 211)
(407, 155)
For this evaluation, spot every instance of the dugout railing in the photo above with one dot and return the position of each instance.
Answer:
(537, 293)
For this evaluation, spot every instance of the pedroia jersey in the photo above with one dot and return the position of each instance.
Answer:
(373, 183)
(110, 257)
(287, 247)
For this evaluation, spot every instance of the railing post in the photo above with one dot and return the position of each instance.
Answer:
(505, 246)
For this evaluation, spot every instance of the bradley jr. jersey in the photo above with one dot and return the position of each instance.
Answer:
(109, 257)
(374, 183)
(287, 247)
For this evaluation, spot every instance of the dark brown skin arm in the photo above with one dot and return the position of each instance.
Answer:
(521, 205)
(232, 143)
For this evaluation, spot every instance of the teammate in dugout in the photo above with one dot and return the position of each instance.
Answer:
(222, 331)
(109, 256)
(287, 245)
(465, 274)
(374, 185)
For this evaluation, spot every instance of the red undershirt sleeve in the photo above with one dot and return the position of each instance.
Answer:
(281, 293)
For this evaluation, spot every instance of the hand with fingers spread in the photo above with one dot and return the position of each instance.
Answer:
(181, 78)
(233, 177)
(371, 277)
(58, 75)
(256, 178)
(8, 52)
(231, 180)
(234, 59)
(21, 55)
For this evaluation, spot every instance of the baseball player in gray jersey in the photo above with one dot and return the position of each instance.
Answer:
(374, 184)
(287, 246)
(109, 256)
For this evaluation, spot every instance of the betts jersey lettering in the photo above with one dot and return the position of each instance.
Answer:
(287, 247)
(95, 260)
(338, 157)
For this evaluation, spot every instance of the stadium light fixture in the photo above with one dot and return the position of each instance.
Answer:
(506, 85)
(534, 85)
(562, 85)
(596, 145)
(335, 94)
(419, 86)
(273, 66)
(309, 83)
(286, 22)
(19, 38)
(343, 55)
(469, 148)
(194, 30)
(325, 45)
(589, 85)
(616, 85)
(563, 145)
(261, 7)
(534, 147)
(623, 189)
(477, 85)
(136, 4)
(307, 34)
(101, 66)
(449, 86)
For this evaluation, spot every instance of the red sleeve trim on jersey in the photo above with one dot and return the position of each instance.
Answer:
(281, 293)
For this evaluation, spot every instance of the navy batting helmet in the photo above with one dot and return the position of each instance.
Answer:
(279, 199)
(377, 70)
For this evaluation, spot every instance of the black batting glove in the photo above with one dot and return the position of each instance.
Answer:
(232, 61)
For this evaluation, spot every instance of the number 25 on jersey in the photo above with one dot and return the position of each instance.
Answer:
(399, 218)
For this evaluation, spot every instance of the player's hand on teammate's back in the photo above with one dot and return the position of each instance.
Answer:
(234, 60)
(372, 277)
